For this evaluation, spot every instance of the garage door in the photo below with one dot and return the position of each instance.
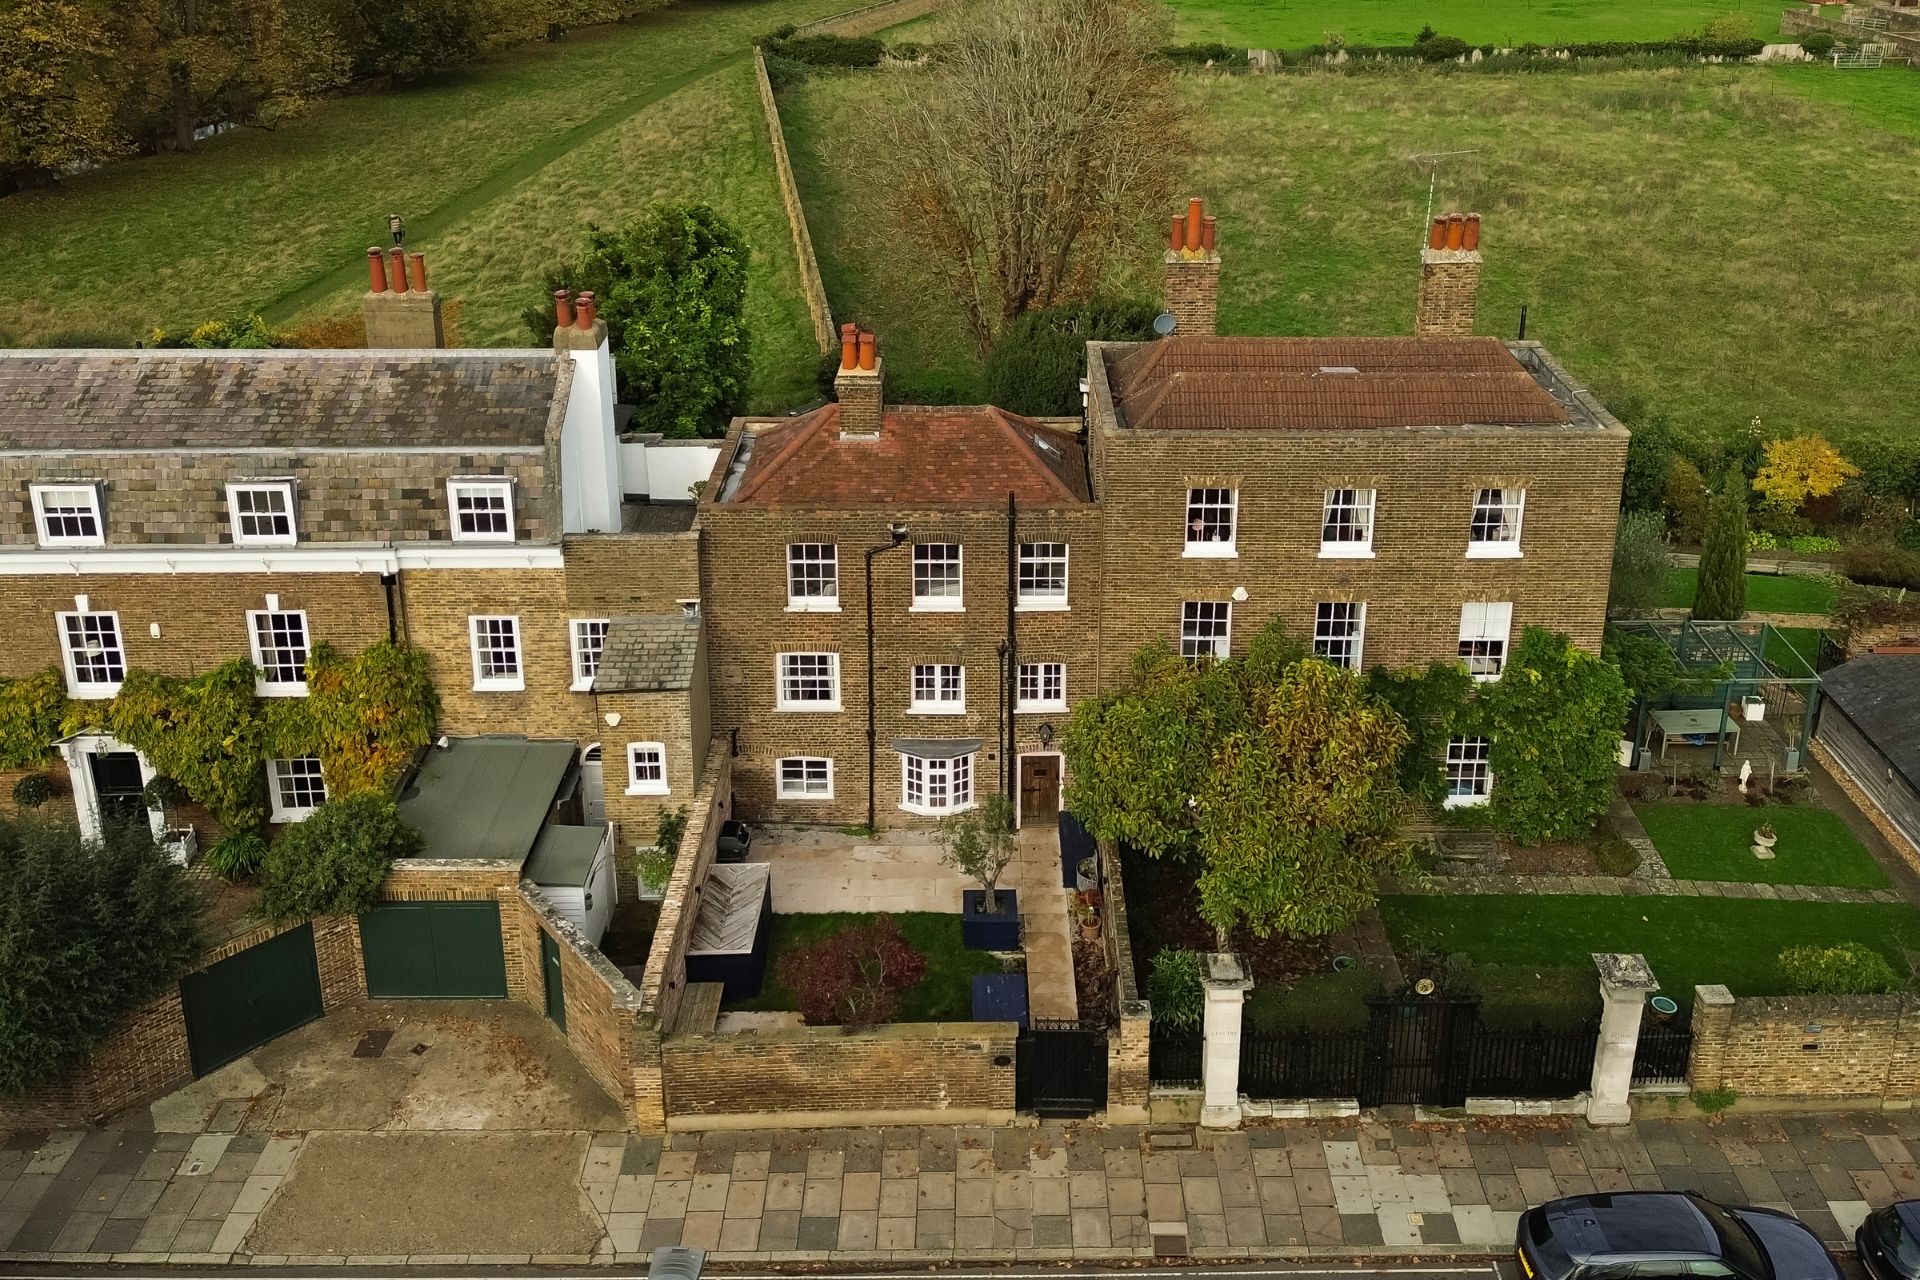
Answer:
(247, 999)
(434, 949)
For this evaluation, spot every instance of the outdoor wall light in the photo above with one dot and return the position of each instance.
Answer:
(897, 531)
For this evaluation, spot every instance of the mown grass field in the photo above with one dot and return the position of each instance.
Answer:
(1291, 24)
(1766, 593)
(1727, 242)
(1715, 842)
(498, 172)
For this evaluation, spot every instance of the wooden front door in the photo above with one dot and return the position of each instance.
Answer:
(1039, 789)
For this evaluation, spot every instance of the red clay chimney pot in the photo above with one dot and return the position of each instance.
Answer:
(417, 271)
(1437, 234)
(1207, 233)
(562, 309)
(868, 345)
(1456, 230)
(584, 311)
(1471, 236)
(1177, 240)
(376, 271)
(849, 345)
(1196, 210)
(397, 270)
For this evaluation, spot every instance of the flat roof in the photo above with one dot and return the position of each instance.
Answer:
(563, 855)
(485, 798)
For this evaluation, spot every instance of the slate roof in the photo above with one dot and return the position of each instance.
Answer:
(1307, 383)
(647, 654)
(964, 455)
(65, 400)
(1880, 692)
(485, 797)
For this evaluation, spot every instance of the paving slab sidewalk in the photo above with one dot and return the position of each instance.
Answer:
(1048, 1191)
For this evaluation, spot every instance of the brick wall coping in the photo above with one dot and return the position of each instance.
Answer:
(625, 994)
(1822, 1008)
(889, 1031)
(458, 864)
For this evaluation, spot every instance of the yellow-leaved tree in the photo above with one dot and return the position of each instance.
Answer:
(1800, 468)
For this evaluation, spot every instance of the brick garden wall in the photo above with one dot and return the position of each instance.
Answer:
(479, 880)
(1864, 1049)
(601, 1004)
(1128, 1079)
(812, 288)
(906, 1073)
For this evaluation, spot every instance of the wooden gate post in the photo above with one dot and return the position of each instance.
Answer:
(1227, 985)
(1625, 984)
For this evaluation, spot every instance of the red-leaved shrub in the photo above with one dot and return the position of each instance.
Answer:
(853, 978)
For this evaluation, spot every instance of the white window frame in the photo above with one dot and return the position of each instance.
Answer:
(1032, 558)
(580, 630)
(235, 523)
(802, 603)
(1327, 635)
(1497, 548)
(950, 773)
(784, 791)
(264, 686)
(933, 677)
(1362, 506)
(1042, 673)
(492, 486)
(95, 508)
(638, 786)
(1223, 643)
(1485, 623)
(782, 681)
(89, 689)
(278, 775)
(1469, 755)
(955, 603)
(1205, 498)
(497, 683)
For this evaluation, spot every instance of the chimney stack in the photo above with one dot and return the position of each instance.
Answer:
(1192, 281)
(859, 385)
(577, 325)
(400, 311)
(591, 484)
(1449, 278)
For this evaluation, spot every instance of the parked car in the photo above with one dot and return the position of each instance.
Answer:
(733, 842)
(1665, 1235)
(1889, 1242)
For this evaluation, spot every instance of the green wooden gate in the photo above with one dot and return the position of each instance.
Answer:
(556, 987)
(434, 949)
(249, 998)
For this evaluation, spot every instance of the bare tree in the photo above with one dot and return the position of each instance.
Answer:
(1031, 149)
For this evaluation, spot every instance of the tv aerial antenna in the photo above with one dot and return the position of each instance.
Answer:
(1432, 160)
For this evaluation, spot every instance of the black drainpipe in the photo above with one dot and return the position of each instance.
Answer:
(388, 582)
(1010, 669)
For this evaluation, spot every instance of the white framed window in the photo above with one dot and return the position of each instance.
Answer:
(1042, 686)
(1346, 524)
(1484, 629)
(95, 659)
(1495, 531)
(936, 784)
(1043, 576)
(68, 515)
(279, 640)
(1469, 780)
(260, 513)
(937, 576)
(496, 653)
(587, 637)
(480, 509)
(1206, 629)
(813, 577)
(295, 788)
(808, 682)
(805, 777)
(646, 768)
(1339, 632)
(1211, 518)
(939, 689)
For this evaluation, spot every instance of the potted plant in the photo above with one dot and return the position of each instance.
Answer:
(1086, 874)
(1086, 911)
(1764, 838)
(166, 794)
(1753, 707)
(980, 843)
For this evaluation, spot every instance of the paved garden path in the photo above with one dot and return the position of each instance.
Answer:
(902, 1195)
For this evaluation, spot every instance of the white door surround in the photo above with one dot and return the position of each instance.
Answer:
(77, 751)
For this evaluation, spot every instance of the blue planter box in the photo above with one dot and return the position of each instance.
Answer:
(982, 932)
(1000, 997)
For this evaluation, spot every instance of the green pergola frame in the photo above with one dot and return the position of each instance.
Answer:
(1743, 645)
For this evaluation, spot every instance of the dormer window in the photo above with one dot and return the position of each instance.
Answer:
(68, 515)
(481, 509)
(260, 513)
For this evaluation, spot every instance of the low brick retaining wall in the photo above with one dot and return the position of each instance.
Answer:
(1128, 1081)
(601, 1005)
(1861, 1049)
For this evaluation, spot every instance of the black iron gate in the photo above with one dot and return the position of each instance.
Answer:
(1060, 1068)
(1419, 1050)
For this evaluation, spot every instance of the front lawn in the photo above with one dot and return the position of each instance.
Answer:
(1794, 650)
(944, 995)
(1766, 593)
(1714, 842)
(1687, 941)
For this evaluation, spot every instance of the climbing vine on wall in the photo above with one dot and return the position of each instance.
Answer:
(31, 711)
(205, 732)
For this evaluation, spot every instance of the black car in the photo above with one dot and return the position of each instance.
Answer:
(1665, 1235)
(1889, 1241)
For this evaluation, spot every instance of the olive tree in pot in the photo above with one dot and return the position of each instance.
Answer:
(980, 843)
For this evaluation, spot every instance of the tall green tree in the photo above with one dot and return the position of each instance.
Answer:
(1720, 595)
(1552, 720)
(411, 39)
(57, 92)
(672, 287)
(1640, 563)
(1037, 362)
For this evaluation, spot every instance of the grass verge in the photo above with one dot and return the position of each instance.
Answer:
(1714, 842)
(944, 995)
(1766, 593)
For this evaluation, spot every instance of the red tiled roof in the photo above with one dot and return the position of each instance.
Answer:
(931, 456)
(1278, 383)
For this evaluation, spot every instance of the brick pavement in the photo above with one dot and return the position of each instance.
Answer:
(1052, 1191)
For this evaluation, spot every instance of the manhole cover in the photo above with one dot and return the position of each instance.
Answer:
(373, 1043)
(1169, 1139)
(1170, 1246)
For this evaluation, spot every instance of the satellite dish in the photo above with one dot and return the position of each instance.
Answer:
(1164, 323)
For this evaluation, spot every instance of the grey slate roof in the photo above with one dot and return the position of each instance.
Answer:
(65, 400)
(1880, 692)
(485, 797)
(650, 653)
